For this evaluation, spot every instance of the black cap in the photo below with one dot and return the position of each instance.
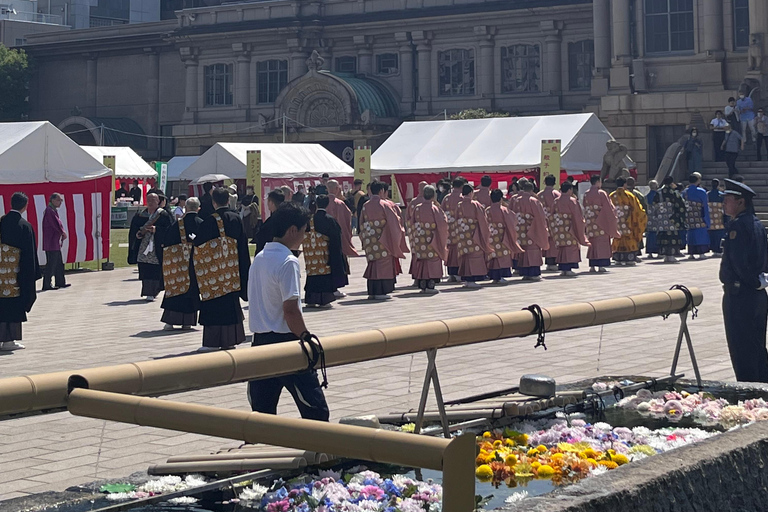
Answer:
(736, 188)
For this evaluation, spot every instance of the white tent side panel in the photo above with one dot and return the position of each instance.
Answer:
(128, 163)
(179, 164)
(38, 152)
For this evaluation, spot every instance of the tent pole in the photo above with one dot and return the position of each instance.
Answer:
(283, 128)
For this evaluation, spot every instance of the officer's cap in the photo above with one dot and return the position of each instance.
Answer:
(738, 189)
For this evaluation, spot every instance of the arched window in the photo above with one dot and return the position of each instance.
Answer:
(668, 26)
(272, 77)
(218, 85)
(520, 68)
(581, 60)
(456, 72)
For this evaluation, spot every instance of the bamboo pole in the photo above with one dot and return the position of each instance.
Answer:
(454, 457)
(162, 376)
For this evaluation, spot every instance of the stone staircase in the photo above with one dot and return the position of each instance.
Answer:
(755, 175)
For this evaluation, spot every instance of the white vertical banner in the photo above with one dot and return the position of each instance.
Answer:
(40, 207)
(82, 245)
(2, 206)
(96, 225)
(65, 224)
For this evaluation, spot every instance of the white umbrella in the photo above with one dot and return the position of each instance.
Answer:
(210, 178)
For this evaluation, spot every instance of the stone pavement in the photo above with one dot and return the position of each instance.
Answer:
(101, 320)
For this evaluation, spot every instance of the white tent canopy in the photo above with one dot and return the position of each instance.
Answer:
(179, 164)
(38, 152)
(492, 145)
(128, 164)
(277, 161)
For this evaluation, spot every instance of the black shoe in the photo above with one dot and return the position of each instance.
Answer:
(63, 286)
(47, 289)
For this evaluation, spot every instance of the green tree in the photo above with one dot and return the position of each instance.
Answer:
(477, 113)
(14, 83)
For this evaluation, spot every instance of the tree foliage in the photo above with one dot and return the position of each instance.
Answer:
(14, 83)
(477, 113)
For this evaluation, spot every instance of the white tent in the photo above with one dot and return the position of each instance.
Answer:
(128, 164)
(179, 164)
(38, 152)
(492, 145)
(277, 161)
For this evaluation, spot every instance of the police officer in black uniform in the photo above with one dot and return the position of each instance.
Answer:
(745, 302)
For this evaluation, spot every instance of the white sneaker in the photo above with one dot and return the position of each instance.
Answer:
(472, 285)
(168, 327)
(8, 346)
(208, 349)
(149, 298)
(339, 295)
(602, 270)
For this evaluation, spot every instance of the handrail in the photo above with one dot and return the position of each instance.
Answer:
(454, 457)
(48, 392)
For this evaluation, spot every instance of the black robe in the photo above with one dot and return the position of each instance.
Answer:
(188, 302)
(147, 270)
(328, 226)
(264, 235)
(17, 232)
(226, 310)
(206, 206)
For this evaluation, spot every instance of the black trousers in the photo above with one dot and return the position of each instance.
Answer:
(717, 143)
(304, 387)
(730, 159)
(745, 313)
(54, 267)
(762, 139)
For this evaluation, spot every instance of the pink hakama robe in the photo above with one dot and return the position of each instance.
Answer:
(474, 241)
(429, 239)
(338, 210)
(502, 223)
(601, 225)
(483, 196)
(548, 196)
(532, 234)
(383, 239)
(415, 202)
(567, 231)
(450, 207)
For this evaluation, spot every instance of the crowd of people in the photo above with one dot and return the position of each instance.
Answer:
(732, 128)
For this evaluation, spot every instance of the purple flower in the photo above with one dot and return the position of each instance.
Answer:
(279, 506)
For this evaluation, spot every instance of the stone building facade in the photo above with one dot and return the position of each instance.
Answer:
(348, 72)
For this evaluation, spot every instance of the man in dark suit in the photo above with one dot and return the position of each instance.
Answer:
(17, 285)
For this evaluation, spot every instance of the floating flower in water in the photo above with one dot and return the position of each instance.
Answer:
(484, 473)
(516, 497)
(157, 486)
(183, 500)
(545, 471)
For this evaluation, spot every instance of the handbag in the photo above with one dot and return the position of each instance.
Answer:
(10, 261)
(176, 265)
(217, 265)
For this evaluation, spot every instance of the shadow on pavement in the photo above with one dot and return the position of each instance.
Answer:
(126, 302)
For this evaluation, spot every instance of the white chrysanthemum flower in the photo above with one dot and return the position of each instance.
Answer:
(597, 471)
(516, 497)
(254, 493)
(183, 500)
(329, 473)
(120, 496)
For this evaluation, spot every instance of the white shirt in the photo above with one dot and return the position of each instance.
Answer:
(718, 124)
(178, 212)
(274, 277)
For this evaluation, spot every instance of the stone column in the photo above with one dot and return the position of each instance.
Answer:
(364, 54)
(620, 26)
(189, 57)
(153, 95)
(406, 69)
(91, 84)
(601, 26)
(424, 49)
(712, 26)
(485, 73)
(299, 55)
(553, 81)
(243, 75)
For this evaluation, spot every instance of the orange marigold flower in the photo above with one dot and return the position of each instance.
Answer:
(608, 464)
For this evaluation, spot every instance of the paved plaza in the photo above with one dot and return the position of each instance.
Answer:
(101, 320)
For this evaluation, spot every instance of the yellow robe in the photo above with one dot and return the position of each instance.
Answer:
(632, 221)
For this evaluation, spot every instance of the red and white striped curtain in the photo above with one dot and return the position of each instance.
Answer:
(85, 214)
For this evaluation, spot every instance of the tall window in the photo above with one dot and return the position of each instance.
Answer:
(456, 71)
(272, 76)
(346, 64)
(520, 68)
(581, 60)
(668, 26)
(218, 85)
(386, 63)
(741, 23)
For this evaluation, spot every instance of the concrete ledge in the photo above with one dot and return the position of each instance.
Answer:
(726, 472)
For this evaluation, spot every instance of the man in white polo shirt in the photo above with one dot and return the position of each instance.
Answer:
(274, 292)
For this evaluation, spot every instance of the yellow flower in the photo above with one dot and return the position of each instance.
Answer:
(620, 459)
(608, 464)
(643, 448)
(533, 452)
(567, 447)
(591, 453)
(497, 443)
(535, 464)
(486, 434)
(557, 456)
(541, 448)
(522, 439)
(511, 460)
(592, 461)
(480, 460)
(484, 473)
(509, 442)
(546, 470)
(582, 455)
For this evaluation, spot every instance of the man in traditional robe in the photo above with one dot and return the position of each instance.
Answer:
(274, 199)
(323, 256)
(222, 317)
(429, 238)
(532, 232)
(483, 194)
(182, 309)
(547, 198)
(339, 210)
(474, 239)
(147, 230)
(21, 269)
(568, 230)
(383, 236)
(206, 203)
(601, 225)
(632, 220)
(716, 219)
(53, 236)
(412, 205)
(640, 197)
(652, 228)
(672, 214)
(502, 224)
(450, 206)
(697, 218)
